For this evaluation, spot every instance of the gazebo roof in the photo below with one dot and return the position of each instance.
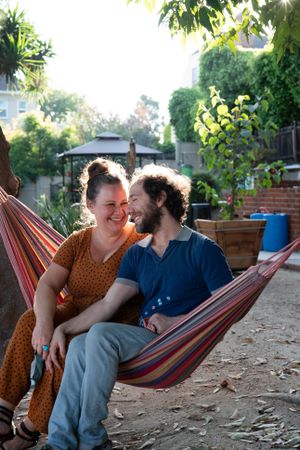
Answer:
(108, 143)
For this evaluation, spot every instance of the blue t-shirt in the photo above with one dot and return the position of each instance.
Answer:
(192, 267)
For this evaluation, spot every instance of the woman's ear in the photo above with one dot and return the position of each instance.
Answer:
(90, 205)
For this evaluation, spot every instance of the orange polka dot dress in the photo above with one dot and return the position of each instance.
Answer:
(88, 281)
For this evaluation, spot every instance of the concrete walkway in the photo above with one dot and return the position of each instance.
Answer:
(293, 262)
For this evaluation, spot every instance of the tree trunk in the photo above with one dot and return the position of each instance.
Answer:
(12, 303)
(8, 180)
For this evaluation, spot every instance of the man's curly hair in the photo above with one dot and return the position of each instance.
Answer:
(156, 179)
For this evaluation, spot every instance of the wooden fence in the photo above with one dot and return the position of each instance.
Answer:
(286, 145)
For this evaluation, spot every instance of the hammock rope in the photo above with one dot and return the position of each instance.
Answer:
(171, 357)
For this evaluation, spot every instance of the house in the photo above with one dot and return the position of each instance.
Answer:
(13, 102)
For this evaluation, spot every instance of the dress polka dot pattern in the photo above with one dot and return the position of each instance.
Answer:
(88, 282)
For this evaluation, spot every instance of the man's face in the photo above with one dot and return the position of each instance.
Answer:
(143, 211)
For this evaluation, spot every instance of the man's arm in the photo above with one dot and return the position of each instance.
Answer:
(100, 311)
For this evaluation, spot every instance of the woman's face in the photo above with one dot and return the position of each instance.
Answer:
(110, 207)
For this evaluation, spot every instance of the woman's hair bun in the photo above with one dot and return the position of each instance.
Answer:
(97, 168)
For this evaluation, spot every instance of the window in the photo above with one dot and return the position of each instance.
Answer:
(195, 76)
(3, 109)
(22, 106)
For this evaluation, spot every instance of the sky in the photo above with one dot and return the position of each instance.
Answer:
(110, 52)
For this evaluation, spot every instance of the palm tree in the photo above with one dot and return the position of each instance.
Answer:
(23, 57)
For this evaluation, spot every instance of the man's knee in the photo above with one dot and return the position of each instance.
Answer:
(105, 334)
(76, 345)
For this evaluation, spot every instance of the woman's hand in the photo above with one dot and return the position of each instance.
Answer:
(58, 344)
(41, 337)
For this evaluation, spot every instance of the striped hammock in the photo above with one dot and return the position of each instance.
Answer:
(171, 357)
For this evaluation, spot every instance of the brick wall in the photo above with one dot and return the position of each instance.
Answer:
(282, 199)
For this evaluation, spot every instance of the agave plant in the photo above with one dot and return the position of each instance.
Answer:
(62, 215)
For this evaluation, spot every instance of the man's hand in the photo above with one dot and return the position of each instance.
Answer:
(41, 336)
(158, 323)
(58, 344)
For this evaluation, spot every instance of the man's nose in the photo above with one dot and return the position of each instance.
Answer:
(130, 208)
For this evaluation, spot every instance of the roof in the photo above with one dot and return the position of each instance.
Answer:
(108, 143)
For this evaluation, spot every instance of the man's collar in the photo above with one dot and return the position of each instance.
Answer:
(184, 235)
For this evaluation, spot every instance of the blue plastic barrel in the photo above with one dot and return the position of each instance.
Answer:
(276, 232)
(258, 216)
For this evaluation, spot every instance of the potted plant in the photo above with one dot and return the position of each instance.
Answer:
(234, 143)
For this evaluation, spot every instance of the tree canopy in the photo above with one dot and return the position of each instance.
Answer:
(221, 20)
(34, 148)
(230, 72)
(58, 104)
(281, 82)
(183, 106)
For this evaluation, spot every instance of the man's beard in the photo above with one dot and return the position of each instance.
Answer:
(151, 219)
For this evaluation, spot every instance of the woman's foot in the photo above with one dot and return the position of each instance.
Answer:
(6, 427)
(25, 437)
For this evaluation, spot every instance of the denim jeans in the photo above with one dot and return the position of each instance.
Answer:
(89, 376)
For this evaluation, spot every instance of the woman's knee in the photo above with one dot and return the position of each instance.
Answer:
(26, 321)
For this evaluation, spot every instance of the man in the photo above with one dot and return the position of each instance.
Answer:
(175, 269)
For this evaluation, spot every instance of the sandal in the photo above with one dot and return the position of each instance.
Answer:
(9, 414)
(33, 436)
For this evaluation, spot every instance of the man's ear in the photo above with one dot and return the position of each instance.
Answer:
(161, 199)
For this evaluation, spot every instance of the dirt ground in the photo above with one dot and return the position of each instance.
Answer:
(220, 406)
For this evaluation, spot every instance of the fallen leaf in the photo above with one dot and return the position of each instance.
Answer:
(238, 376)
(235, 424)
(211, 407)
(225, 384)
(148, 443)
(239, 435)
(175, 407)
(194, 429)
(260, 361)
(118, 414)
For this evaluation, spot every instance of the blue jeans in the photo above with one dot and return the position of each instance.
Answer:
(89, 376)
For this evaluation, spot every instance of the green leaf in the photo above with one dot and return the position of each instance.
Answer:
(222, 110)
(204, 18)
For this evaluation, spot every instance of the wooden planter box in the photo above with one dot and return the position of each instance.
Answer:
(239, 239)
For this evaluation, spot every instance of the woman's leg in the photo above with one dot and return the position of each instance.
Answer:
(15, 380)
(14, 373)
(90, 374)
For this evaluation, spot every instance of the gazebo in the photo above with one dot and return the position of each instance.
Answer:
(107, 145)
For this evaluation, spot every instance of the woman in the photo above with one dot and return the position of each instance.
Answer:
(87, 263)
